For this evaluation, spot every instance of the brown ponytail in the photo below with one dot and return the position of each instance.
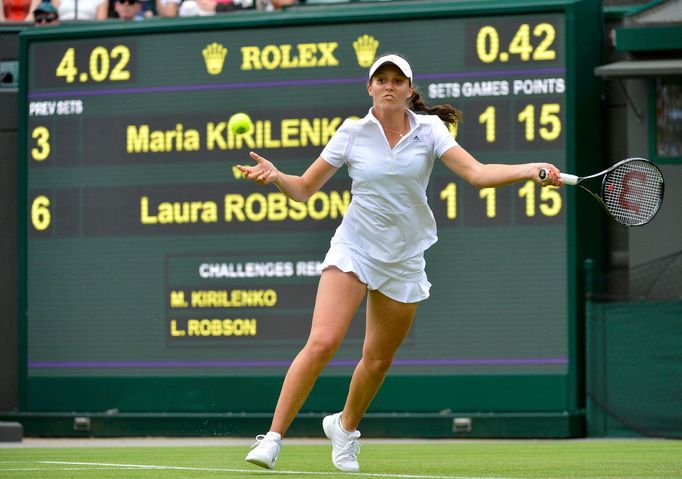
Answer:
(447, 113)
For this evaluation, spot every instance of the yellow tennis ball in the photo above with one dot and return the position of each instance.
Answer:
(240, 123)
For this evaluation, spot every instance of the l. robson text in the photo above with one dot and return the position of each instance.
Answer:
(213, 327)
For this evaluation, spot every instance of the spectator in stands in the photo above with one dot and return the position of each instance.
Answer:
(224, 6)
(128, 9)
(193, 8)
(17, 10)
(81, 9)
(196, 8)
(168, 8)
(146, 9)
(46, 14)
(269, 5)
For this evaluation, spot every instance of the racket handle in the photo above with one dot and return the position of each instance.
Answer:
(565, 177)
(569, 179)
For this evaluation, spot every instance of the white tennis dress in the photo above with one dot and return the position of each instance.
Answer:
(389, 224)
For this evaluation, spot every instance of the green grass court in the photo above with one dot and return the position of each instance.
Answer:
(546, 459)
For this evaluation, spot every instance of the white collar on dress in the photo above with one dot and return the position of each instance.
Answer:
(414, 118)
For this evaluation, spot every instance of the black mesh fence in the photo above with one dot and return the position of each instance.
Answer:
(634, 347)
(659, 280)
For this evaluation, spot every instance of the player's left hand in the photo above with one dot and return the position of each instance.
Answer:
(264, 172)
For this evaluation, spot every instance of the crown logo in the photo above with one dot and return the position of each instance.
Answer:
(365, 48)
(214, 57)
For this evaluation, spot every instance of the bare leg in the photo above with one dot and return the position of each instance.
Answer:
(339, 295)
(388, 322)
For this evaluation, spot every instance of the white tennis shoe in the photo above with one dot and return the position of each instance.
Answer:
(265, 451)
(345, 445)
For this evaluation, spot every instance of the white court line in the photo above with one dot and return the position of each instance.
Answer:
(266, 471)
(56, 469)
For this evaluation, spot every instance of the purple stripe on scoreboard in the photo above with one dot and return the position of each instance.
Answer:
(281, 83)
(250, 364)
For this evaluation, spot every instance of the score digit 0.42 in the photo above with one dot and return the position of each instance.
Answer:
(528, 44)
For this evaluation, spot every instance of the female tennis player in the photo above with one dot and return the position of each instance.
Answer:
(378, 250)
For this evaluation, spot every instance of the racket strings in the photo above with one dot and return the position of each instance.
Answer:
(632, 192)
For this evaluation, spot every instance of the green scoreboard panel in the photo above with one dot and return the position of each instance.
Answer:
(148, 257)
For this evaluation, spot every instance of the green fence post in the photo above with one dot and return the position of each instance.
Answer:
(595, 371)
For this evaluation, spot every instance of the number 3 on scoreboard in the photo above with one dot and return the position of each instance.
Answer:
(42, 149)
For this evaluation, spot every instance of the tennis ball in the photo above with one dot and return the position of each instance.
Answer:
(240, 123)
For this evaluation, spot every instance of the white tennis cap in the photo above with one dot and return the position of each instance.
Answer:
(400, 62)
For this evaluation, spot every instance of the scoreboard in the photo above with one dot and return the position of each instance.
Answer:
(148, 256)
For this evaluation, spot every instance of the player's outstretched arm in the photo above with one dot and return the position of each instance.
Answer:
(298, 188)
(462, 163)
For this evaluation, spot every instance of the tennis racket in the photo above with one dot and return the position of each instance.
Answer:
(631, 190)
